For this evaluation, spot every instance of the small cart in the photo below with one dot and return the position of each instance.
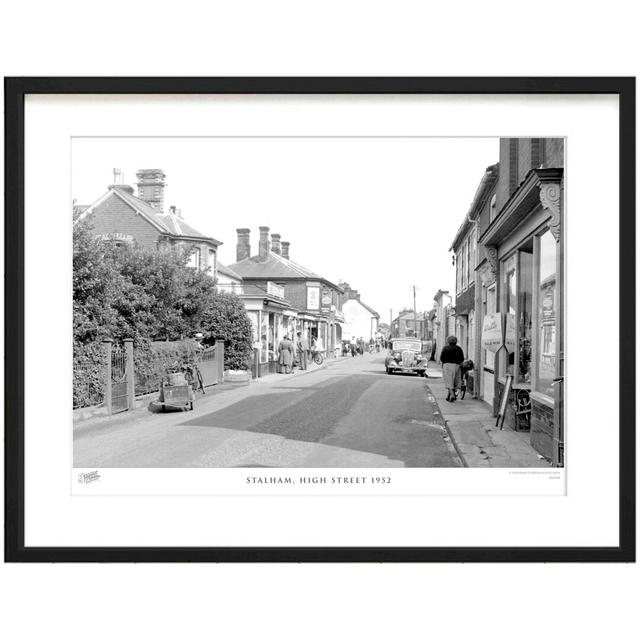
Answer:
(176, 393)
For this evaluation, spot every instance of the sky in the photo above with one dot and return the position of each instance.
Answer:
(378, 213)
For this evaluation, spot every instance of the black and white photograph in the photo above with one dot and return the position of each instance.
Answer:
(343, 302)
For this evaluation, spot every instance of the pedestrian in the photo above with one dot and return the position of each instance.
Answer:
(451, 358)
(285, 355)
(353, 346)
(303, 350)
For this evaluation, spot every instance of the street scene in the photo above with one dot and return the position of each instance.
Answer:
(216, 341)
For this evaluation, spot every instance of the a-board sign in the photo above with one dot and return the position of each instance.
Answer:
(504, 399)
(492, 332)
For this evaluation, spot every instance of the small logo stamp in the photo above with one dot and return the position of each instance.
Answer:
(86, 478)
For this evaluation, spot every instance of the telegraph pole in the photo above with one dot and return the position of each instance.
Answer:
(415, 313)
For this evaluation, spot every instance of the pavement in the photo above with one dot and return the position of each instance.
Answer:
(346, 414)
(474, 433)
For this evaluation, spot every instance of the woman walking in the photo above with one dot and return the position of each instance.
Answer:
(451, 358)
(285, 355)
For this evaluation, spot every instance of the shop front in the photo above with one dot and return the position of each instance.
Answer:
(525, 242)
(271, 320)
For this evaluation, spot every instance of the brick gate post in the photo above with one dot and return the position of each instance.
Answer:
(107, 379)
(128, 347)
(220, 360)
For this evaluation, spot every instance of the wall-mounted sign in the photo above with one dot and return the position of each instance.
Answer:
(274, 289)
(118, 237)
(313, 298)
(492, 332)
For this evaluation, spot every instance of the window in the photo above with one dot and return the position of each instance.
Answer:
(546, 316)
(489, 296)
(472, 255)
(194, 258)
(525, 295)
(507, 358)
(211, 263)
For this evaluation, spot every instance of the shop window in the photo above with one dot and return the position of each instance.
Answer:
(546, 318)
(264, 333)
(507, 357)
(525, 297)
(489, 304)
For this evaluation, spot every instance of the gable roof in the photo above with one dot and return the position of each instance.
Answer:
(228, 272)
(275, 267)
(373, 312)
(167, 223)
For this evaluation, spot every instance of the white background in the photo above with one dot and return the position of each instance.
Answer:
(369, 38)
(53, 517)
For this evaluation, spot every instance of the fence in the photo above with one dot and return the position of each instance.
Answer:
(114, 374)
(211, 364)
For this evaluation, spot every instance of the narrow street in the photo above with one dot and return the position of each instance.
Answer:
(348, 414)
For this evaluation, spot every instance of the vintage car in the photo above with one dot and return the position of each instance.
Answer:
(406, 355)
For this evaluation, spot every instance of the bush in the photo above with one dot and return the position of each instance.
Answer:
(89, 370)
(225, 318)
(153, 359)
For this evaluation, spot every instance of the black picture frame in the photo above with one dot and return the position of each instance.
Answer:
(15, 91)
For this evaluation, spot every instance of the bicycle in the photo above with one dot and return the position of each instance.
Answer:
(317, 357)
(465, 367)
(193, 376)
(463, 384)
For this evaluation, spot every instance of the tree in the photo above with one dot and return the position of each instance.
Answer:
(225, 318)
(125, 291)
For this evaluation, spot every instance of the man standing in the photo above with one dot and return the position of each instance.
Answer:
(303, 350)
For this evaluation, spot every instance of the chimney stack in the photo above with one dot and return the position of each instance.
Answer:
(285, 250)
(151, 186)
(275, 243)
(118, 182)
(243, 248)
(263, 245)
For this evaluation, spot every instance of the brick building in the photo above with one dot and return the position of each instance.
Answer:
(521, 278)
(411, 324)
(283, 297)
(124, 217)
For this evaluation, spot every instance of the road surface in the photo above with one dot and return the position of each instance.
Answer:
(348, 414)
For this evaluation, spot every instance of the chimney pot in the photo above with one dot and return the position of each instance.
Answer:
(264, 243)
(285, 249)
(275, 243)
(243, 248)
(151, 186)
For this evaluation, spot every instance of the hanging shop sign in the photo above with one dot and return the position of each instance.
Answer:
(492, 332)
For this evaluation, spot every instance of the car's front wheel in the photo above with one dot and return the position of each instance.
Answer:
(388, 371)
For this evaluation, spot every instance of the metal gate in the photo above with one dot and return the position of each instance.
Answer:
(119, 383)
(120, 386)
